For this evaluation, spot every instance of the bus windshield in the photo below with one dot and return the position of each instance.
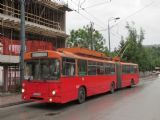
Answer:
(42, 69)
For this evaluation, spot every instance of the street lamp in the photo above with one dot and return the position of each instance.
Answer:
(109, 20)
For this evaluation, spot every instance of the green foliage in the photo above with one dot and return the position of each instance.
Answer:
(18, 89)
(132, 50)
(154, 56)
(85, 37)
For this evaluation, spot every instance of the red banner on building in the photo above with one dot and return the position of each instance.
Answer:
(12, 47)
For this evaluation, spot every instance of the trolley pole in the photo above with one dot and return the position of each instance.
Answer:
(22, 40)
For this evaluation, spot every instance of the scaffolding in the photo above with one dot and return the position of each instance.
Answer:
(45, 29)
(46, 16)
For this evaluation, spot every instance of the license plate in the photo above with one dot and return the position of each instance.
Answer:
(36, 94)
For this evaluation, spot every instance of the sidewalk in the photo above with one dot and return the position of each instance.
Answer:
(10, 99)
(148, 77)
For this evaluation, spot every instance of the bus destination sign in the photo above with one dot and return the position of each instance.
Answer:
(39, 54)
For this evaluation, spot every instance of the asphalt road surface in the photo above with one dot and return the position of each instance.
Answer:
(139, 103)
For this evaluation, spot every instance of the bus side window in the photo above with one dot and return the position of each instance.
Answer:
(100, 69)
(92, 69)
(135, 69)
(82, 67)
(112, 68)
(107, 69)
(68, 66)
(124, 70)
(132, 70)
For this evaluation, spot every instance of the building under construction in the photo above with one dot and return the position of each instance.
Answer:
(45, 30)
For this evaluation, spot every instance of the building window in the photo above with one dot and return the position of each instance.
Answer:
(68, 66)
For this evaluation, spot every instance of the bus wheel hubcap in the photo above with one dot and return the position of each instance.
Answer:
(81, 95)
(112, 88)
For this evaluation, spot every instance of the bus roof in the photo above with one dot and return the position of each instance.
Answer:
(72, 55)
(59, 54)
(124, 63)
(83, 51)
(78, 53)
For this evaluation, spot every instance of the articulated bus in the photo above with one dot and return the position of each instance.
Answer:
(73, 74)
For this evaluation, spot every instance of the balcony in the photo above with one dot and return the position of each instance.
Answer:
(8, 59)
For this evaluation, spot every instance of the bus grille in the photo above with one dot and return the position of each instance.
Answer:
(36, 98)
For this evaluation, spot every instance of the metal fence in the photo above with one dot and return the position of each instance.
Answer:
(9, 78)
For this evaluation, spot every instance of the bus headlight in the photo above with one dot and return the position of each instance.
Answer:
(53, 92)
(50, 99)
(23, 90)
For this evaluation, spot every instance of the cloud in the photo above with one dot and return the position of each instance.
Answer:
(147, 18)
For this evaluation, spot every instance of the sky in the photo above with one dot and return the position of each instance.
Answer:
(144, 13)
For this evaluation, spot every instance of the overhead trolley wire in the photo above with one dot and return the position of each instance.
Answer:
(131, 15)
(98, 4)
(136, 12)
(89, 15)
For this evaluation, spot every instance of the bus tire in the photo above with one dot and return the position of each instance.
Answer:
(81, 95)
(112, 88)
(132, 83)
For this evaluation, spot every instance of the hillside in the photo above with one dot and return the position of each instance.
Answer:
(150, 46)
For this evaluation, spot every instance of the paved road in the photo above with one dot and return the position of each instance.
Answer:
(139, 103)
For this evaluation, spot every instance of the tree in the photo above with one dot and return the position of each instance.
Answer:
(154, 56)
(87, 37)
(132, 50)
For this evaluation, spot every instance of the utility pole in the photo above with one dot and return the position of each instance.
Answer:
(22, 40)
(109, 41)
(91, 37)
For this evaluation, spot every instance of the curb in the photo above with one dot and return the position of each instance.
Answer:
(12, 104)
(144, 78)
(7, 94)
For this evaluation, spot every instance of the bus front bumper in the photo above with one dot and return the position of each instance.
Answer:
(42, 99)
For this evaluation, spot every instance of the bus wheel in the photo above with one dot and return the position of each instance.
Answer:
(132, 83)
(112, 88)
(81, 95)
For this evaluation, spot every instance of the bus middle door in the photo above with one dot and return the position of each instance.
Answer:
(119, 75)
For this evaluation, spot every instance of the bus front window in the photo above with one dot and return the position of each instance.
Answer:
(42, 69)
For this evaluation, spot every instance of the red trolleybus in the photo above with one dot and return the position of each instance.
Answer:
(73, 74)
